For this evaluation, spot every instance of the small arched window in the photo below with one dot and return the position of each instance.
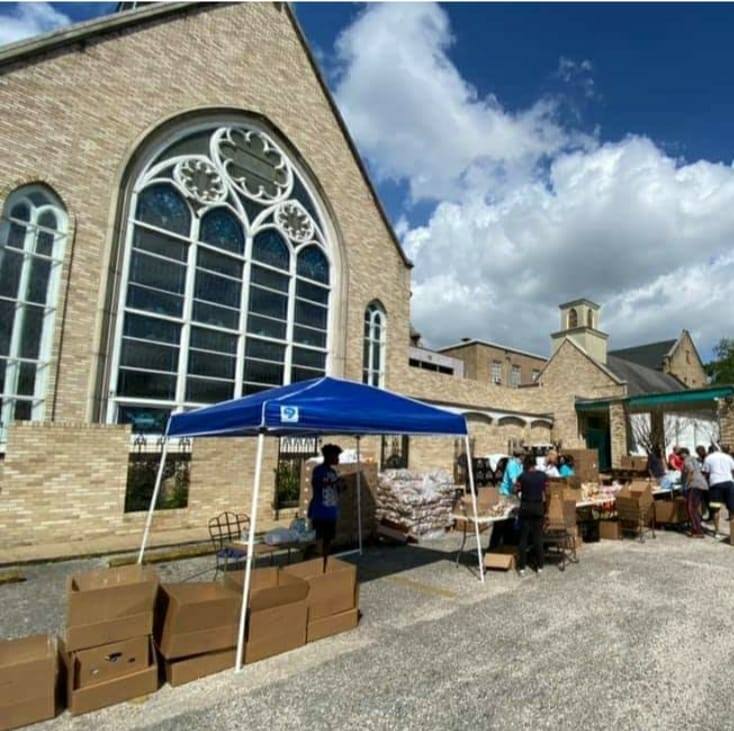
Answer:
(373, 361)
(590, 319)
(33, 231)
(573, 318)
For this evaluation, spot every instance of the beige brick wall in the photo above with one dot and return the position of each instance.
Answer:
(571, 375)
(685, 364)
(66, 482)
(478, 359)
(726, 421)
(74, 118)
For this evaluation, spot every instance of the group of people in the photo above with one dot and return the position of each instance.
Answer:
(524, 475)
(707, 478)
(555, 465)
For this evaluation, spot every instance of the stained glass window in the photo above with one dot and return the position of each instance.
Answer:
(32, 242)
(223, 295)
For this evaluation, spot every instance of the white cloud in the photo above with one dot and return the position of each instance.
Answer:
(416, 118)
(27, 19)
(531, 213)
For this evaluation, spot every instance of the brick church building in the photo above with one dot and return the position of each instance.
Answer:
(185, 219)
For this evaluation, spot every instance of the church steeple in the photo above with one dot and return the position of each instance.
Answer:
(580, 323)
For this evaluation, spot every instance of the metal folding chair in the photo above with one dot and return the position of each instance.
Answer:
(224, 530)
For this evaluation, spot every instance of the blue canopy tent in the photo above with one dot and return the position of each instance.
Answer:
(322, 406)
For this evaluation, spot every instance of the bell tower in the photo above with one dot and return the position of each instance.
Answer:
(580, 323)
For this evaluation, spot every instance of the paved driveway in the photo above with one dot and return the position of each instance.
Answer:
(634, 636)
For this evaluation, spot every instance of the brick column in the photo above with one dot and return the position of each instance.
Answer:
(726, 421)
(617, 433)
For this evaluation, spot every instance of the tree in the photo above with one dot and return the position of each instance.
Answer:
(721, 369)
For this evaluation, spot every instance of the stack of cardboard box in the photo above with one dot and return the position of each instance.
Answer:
(29, 675)
(333, 596)
(347, 532)
(277, 614)
(108, 652)
(196, 629)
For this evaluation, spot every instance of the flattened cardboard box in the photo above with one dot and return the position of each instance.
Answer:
(331, 591)
(113, 691)
(333, 625)
(109, 605)
(186, 669)
(114, 660)
(29, 680)
(195, 618)
(277, 611)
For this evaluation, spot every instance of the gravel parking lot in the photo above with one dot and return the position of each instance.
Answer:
(633, 636)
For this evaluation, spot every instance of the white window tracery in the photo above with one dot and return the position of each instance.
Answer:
(373, 357)
(33, 232)
(226, 277)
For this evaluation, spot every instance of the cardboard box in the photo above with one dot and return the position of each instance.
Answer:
(330, 591)
(277, 611)
(109, 605)
(586, 463)
(29, 676)
(672, 512)
(107, 662)
(186, 669)
(112, 691)
(500, 560)
(332, 625)
(195, 618)
(610, 530)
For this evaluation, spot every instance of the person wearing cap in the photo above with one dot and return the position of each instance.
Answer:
(323, 510)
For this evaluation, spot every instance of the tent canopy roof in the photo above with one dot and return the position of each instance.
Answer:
(319, 406)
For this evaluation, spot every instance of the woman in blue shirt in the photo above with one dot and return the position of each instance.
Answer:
(565, 468)
(323, 510)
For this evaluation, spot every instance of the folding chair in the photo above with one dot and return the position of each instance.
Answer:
(224, 530)
(559, 529)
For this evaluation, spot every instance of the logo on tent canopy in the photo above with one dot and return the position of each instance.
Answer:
(289, 414)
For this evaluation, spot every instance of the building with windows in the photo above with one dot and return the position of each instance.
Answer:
(184, 219)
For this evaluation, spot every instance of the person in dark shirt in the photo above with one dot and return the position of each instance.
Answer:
(655, 464)
(323, 510)
(531, 485)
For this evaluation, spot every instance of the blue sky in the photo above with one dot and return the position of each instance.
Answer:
(532, 153)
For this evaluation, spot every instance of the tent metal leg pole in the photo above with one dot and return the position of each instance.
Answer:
(153, 500)
(250, 552)
(359, 496)
(470, 468)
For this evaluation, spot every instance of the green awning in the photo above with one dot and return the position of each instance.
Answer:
(671, 398)
(681, 397)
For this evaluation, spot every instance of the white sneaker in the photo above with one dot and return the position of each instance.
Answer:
(521, 572)
(540, 571)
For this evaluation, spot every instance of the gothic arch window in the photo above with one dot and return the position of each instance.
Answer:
(33, 232)
(573, 318)
(373, 358)
(226, 275)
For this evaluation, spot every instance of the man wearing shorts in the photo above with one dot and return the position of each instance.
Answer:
(323, 510)
(719, 468)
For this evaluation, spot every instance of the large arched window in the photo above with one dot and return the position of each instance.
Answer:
(226, 276)
(33, 233)
(573, 318)
(373, 357)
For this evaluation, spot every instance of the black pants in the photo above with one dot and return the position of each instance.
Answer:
(530, 527)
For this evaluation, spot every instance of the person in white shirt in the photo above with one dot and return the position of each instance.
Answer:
(551, 464)
(719, 469)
